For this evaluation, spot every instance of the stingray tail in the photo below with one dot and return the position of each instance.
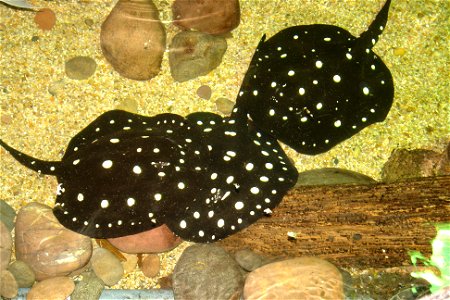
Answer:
(41, 166)
(369, 38)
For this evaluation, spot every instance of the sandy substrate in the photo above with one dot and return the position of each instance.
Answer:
(37, 123)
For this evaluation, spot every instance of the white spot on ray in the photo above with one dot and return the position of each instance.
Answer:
(157, 196)
(337, 123)
(239, 205)
(336, 78)
(183, 224)
(230, 179)
(131, 202)
(291, 73)
(220, 223)
(181, 185)
(196, 215)
(137, 170)
(76, 161)
(254, 190)
(201, 233)
(366, 90)
(319, 64)
(107, 164)
(104, 203)
(114, 141)
(80, 197)
(249, 166)
(271, 112)
(301, 91)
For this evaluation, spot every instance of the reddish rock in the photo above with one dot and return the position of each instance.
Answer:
(46, 246)
(160, 239)
(8, 284)
(56, 288)
(150, 265)
(209, 16)
(45, 19)
(133, 39)
(5, 246)
(298, 278)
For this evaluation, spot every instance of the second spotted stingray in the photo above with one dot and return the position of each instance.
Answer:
(314, 86)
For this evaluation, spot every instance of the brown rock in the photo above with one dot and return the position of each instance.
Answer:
(298, 278)
(46, 246)
(131, 262)
(204, 92)
(133, 39)
(8, 284)
(150, 265)
(45, 19)
(106, 266)
(160, 239)
(404, 163)
(56, 288)
(210, 16)
(5, 246)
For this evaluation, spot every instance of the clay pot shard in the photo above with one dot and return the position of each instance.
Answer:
(133, 39)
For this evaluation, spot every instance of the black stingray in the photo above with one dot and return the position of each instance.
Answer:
(125, 173)
(314, 86)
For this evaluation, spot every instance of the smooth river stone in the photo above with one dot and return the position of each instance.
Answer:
(46, 246)
(133, 39)
(209, 16)
(56, 288)
(23, 273)
(5, 246)
(156, 240)
(298, 278)
(106, 266)
(8, 284)
(206, 271)
(7, 214)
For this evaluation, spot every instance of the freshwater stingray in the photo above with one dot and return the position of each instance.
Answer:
(125, 173)
(314, 86)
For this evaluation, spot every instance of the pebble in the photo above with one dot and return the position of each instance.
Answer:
(8, 285)
(5, 246)
(129, 265)
(106, 266)
(249, 260)
(46, 246)
(405, 163)
(80, 67)
(133, 39)
(128, 104)
(45, 19)
(90, 287)
(7, 214)
(224, 105)
(209, 16)
(194, 54)
(6, 120)
(297, 278)
(399, 51)
(150, 265)
(332, 176)
(206, 271)
(156, 240)
(23, 273)
(55, 288)
(56, 87)
(204, 92)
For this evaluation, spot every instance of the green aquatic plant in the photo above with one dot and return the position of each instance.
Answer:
(439, 259)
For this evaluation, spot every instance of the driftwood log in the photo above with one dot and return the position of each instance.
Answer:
(352, 225)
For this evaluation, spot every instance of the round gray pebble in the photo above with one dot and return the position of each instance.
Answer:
(23, 273)
(80, 67)
(106, 266)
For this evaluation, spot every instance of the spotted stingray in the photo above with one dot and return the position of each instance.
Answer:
(313, 86)
(207, 176)
(204, 176)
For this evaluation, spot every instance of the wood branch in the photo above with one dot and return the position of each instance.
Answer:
(352, 225)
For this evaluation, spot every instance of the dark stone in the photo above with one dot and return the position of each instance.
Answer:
(206, 271)
(194, 54)
(90, 287)
(80, 67)
(7, 214)
(249, 260)
(332, 176)
(23, 273)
